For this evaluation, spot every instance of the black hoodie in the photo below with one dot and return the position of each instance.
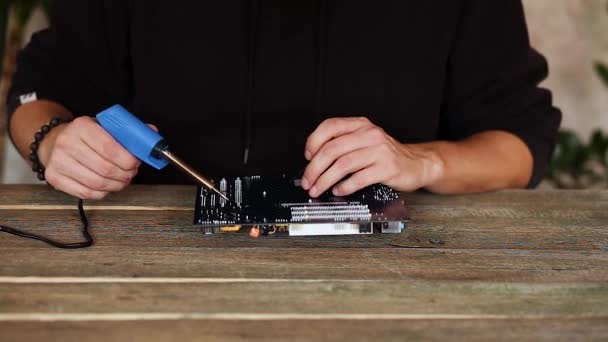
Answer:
(232, 80)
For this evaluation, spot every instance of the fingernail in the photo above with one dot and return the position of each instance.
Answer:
(313, 192)
(335, 192)
(305, 184)
(307, 155)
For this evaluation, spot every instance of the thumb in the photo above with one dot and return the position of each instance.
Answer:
(153, 127)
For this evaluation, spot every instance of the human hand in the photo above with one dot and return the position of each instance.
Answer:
(354, 146)
(83, 160)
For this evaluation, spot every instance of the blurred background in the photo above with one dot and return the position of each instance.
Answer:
(572, 34)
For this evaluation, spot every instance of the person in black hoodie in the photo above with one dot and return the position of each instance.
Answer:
(432, 94)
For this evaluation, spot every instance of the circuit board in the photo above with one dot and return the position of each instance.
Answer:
(263, 206)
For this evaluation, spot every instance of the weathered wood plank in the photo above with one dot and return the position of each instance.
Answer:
(507, 265)
(571, 330)
(513, 219)
(138, 195)
(309, 263)
(505, 256)
(435, 299)
(432, 228)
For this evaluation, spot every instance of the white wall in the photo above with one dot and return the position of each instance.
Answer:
(573, 34)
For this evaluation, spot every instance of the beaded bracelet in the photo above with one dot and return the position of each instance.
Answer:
(44, 130)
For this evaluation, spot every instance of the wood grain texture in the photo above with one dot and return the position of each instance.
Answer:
(310, 263)
(504, 220)
(568, 330)
(420, 298)
(501, 266)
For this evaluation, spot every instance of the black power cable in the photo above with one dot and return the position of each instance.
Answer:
(85, 232)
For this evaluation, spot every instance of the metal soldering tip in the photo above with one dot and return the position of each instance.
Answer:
(190, 171)
(221, 194)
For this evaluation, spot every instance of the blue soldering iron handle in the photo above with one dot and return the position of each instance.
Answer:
(134, 135)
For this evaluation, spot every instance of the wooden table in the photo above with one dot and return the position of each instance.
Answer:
(514, 265)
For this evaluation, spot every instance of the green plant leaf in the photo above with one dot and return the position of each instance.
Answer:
(46, 6)
(598, 145)
(23, 10)
(602, 71)
(570, 154)
(5, 6)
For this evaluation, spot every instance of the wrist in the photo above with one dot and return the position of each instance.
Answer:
(27, 119)
(431, 164)
(45, 147)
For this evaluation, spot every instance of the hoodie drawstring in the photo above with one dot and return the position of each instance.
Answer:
(321, 57)
(320, 68)
(251, 56)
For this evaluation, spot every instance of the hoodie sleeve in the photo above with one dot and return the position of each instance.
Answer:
(493, 77)
(81, 61)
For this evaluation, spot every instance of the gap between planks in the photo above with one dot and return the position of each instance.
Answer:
(127, 316)
(144, 280)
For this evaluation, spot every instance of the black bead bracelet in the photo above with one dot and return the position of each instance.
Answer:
(44, 130)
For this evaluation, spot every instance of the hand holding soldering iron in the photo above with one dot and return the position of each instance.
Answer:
(83, 160)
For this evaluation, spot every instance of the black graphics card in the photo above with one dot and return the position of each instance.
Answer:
(266, 206)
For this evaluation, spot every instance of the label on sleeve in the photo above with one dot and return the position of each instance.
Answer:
(29, 97)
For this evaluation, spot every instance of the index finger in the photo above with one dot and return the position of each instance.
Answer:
(332, 128)
(107, 147)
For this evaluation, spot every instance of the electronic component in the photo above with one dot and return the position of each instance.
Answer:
(269, 206)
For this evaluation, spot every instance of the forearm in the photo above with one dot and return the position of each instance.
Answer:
(27, 120)
(483, 162)
(80, 157)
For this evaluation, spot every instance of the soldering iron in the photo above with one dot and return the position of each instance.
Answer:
(145, 143)
(141, 141)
